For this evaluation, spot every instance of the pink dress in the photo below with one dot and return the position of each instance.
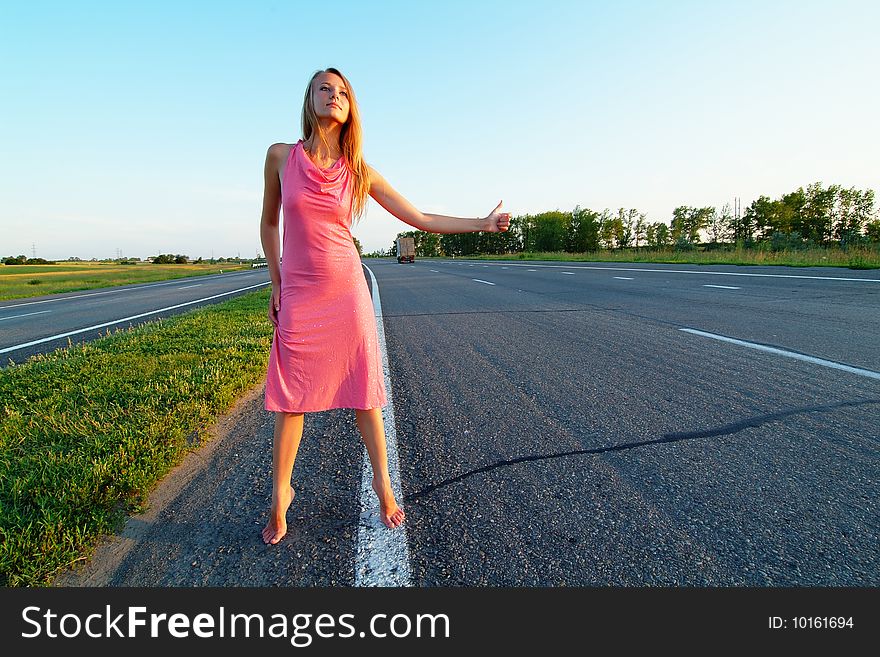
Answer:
(325, 350)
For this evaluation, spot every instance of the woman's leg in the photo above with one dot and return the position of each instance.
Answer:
(288, 433)
(372, 430)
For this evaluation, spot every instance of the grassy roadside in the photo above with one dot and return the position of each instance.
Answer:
(87, 431)
(20, 281)
(861, 258)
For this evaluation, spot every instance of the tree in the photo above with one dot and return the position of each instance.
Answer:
(720, 224)
(624, 227)
(606, 229)
(583, 231)
(640, 230)
(757, 219)
(657, 235)
(548, 231)
(679, 225)
(818, 210)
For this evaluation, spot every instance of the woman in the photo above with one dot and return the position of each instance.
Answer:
(325, 351)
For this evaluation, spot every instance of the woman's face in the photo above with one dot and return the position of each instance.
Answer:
(330, 97)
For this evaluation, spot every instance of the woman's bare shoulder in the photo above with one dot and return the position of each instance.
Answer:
(278, 152)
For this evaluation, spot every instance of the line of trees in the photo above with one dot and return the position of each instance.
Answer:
(170, 259)
(815, 216)
(24, 260)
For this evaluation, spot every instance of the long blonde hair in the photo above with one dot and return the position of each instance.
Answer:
(350, 138)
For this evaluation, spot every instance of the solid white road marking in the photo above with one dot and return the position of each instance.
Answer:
(789, 354)
(382, 553)
(126, 319)
(479, 281)
(26, 315)
(723, 287)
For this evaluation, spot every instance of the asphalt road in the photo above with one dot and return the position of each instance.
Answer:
(556, 425)
(42, 324)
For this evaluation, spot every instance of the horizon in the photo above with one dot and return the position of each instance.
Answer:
(135, 131)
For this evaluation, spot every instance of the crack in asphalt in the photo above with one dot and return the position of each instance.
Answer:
(726, 429)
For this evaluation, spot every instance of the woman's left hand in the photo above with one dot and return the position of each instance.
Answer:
(498, 221)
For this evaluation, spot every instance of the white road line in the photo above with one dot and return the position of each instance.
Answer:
(723, 287)
(125, 319)
(790, 354)
(25, 315)
(121, 288)
(382, 553)
(703, 273)
(479, 281)
(623, 278)
(570, 273)
(531, 270)
(434, 270)
(189, 286)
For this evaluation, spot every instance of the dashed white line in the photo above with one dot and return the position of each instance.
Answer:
(789, 354)
(531, 270)
(723, 287)
(704, 273)
(189, 286)
(434, 270)
(126, 319)
(41, 312)
(382, 553)
(479, 281)
(570, 273)
(623, 278)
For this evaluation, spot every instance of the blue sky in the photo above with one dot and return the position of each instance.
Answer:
(143, 127)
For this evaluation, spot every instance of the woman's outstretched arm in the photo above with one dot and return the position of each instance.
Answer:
(386, 196)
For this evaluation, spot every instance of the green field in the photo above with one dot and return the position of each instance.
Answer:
(87, 431)
(19, 281)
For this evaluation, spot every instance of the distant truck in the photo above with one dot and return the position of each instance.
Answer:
(406, 249)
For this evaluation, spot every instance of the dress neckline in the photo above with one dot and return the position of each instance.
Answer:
(322, 169)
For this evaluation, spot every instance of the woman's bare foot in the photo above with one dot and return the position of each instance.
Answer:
(391, 514)
(276, 528)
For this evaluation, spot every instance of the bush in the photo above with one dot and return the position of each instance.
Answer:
(682, 244)
(782, 241)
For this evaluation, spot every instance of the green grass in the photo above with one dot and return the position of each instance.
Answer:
(862, 258)
(19, 281)
(87, 431)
